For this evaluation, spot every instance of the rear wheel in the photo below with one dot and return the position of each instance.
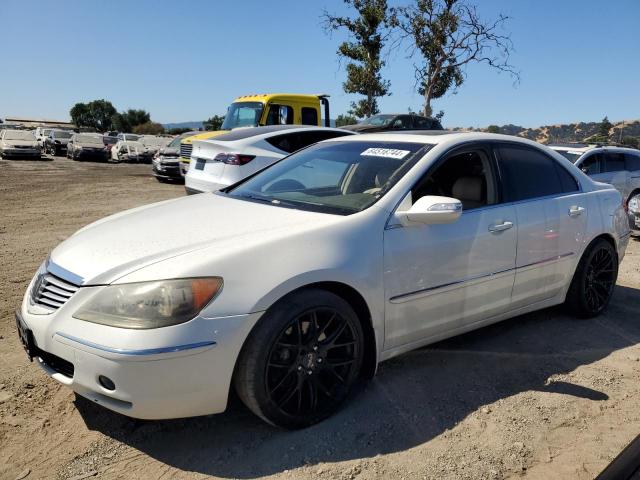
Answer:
(593, 281)
(302, 360)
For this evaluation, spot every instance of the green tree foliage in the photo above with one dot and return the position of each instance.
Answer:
(605, 127)
(96, 115)
(343, 120)
(448, 35)
(493, 129)
(368, 32)
(178, 130)
(148, 128)
(214, 123)
(633, 142)
(127, 121)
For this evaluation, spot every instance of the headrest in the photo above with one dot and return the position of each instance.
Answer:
(468, 188)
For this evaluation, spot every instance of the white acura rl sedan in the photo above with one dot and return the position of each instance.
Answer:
(294, 283)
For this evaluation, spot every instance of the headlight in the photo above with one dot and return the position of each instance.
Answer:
(150, 304)
(634, 204)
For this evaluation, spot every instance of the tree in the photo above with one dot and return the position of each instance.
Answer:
(493, 129)
(96, 114)
(127, 121)
(148, 128)
(178, 130)
(604, 128)
(449, 35)
(633, 142)
(343, 120)
(214, 123)
(368, 33)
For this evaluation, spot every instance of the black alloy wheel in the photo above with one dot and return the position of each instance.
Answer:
(594, 280)
(302, 360)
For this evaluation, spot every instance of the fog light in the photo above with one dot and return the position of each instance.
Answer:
(106, 383)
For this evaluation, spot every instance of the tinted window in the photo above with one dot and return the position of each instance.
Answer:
(423, 123)
(592, 164)
(290, 142)
(527, 173)
(632, 162)
(280, 115)
(614, 162)
(568, 182)
(402, 122)
(309, 116)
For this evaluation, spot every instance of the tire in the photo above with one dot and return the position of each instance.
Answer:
(594, 280)
(292, 374)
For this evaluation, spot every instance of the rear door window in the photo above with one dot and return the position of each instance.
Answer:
(614, 162)
(527, 173)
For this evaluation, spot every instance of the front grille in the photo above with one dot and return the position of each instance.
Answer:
(56, 363)
(186, 149)
(51, 291)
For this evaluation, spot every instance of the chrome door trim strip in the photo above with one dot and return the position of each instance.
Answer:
(146, 351)
(403, 296)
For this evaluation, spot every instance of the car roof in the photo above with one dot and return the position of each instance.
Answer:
(434, 137)
(589, 148)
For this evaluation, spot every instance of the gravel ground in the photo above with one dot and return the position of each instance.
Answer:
(539, 396)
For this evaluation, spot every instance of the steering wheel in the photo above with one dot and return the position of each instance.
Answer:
(285, 185)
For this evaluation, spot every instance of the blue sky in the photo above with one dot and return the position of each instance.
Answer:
(188, 60)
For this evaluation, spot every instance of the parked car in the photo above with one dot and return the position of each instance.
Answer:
(129, 137)
(229, 158)
(41, 134)
(262, 110)
(299, 280)
(395, 122)
(109, 141)
(56, 143)
(154, 143)
(18, 143)
(130, 151)
(619, 166)
(166, 162)
(83, 146)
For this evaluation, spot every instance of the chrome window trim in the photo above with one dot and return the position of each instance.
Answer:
(406, 296)
(146, 351)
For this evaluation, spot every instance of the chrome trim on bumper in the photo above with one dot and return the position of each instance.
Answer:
(146, 351)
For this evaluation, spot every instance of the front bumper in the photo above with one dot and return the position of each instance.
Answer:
(172, 372)
(86, 153)
(168, 172)
(21, 152)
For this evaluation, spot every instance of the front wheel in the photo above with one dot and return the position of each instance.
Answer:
(593, 281)
(302, 359)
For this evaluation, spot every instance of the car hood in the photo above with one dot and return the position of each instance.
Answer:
(115, 246)
(21, 143)
(362, 128)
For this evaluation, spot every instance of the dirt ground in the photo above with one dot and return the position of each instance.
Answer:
(540, 396)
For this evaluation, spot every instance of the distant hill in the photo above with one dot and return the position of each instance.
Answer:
(572, 132)
(189, 125)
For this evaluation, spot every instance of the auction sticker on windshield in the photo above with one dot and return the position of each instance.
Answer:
(386, 152)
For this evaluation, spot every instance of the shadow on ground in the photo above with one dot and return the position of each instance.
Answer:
(413, 399)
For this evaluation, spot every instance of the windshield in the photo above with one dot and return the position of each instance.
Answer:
(572, 156)
(242, 114)
(378, 120)
(46, 132)
(334, 177)
(109, 140)
(154, 141)
(19, 135)
(62, 134)
(88, 139)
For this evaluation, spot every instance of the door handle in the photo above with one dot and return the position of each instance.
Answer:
(500, 227)
(574, 211)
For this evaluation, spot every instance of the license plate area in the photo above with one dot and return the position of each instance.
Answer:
(26, 337)
(200, 163)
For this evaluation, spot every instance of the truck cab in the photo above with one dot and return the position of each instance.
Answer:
(264, 109)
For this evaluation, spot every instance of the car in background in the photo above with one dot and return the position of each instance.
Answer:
(19, 143)
(85, 146)
(41, 134)
(619, 166)
(130, 151)
(292, 286)
(154, 143)
(128, 137)
(166, 162)
(230, 157)
(394, 122)
(56, 143)
(633, 209)
(109, 141)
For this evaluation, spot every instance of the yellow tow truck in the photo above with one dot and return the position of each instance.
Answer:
(264, 109)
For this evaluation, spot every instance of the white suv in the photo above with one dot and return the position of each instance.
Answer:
(618, 166)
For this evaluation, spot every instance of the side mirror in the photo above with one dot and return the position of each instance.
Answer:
(430, 210)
